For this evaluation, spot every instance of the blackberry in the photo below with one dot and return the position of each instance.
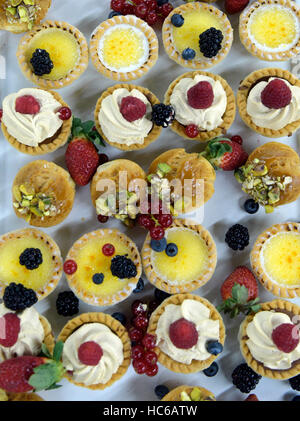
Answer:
(295, 383)
(123, 268)
(31, 258)
(18, 298)
(139, 286)
(163, 115)
(210, 42)
(67, 304)
(244, 378)
(41, 62)
(237, 237)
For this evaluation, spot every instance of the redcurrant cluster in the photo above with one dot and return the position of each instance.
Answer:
(157, 223)
(144, 359)
(151, 11)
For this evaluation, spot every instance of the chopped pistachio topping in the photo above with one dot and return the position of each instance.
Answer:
(260, 185)
(109, 206)
(22, 10)
(28, 202)
(196, 396)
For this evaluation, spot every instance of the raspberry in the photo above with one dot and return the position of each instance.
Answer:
(1, 114)
(191, 131)
(140, 322)
(90, 353)
(11, 329)
(151, 370)
(237, 139)
(139, 308)
(201, 96)
(27, 104)
(132, 108)
(117, 5)
(165, 220)
(137, 352)
(183, 334)
(146, 221)
(157, 233)
(64, 113)
(276, 94)
(152, 18)
(139, 366)
(149, 341)
(286, 337)
(70, 267)
(128, 9)
(102, 219)
(135, 334)
(141, 11)
(103, 159)
(150, 357)
(108, 250)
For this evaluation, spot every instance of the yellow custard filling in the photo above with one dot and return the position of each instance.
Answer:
(281, 255)
(62, 47)
(12, 271)
(195, 22)
(191, 261)
(124, 48)
(90, 261)
(274, 26)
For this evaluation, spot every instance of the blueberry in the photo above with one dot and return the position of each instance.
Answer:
(296, 398)
(113, 13)
(212, 370)
(177, 20)
(160, 296)
(158, 245)
(172, 250)
(98, 278)
(162, 2)
(214, 347)
(120, 317)
(161, 391)
(139, 286)
(188, 54)
(251, 206)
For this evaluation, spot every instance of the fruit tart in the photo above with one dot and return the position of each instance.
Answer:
(269, 29)
(123, 117)
(269, 340)
(275, 259)
(190, 333)
(25, 330)
(103, 267)
(21, 15)
(43, 194)
(97, 350)
(124, 48)
(36, 121)
(183, 261)
(189, 394)
(19, 397)
(197, 35)
(31, 258)
(53, 54)
(119, 199)
(204, 105)
(269, 102)
(177, 164)
(271, 175)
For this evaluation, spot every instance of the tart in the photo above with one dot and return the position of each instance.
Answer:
(190, 39)
(118, 198)
(100, 278)
(32, 122)
(189, 393)
(185, 166)
(270, 29)
(104, 332)
(202, 323)
(259, 110)
(23, 16)
(123, 128)
(35, 330)
(189, 269)
(43, 194)
(275, 259)
(213, 118)
(124, 48)
(271, 176)
(19, 397)
(43, 275)
(53, 54)
(260, 348)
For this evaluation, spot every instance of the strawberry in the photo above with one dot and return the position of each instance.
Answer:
(25, 374)
(11, 324)
(252, 398)
(223, 153)
(82, 156)
(235, 6)
(240, 293)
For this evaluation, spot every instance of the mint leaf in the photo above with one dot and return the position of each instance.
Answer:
(46, 352)
(87, 126)
(58, 349)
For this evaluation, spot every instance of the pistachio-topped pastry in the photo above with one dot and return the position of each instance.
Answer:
(189, 394)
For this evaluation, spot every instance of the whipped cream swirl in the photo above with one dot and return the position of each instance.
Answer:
(28, 129)
(206, 119)
(31, 335)
(115, 127)
(271, 118)
(260, 341)
(109, 363)
(207, 329)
